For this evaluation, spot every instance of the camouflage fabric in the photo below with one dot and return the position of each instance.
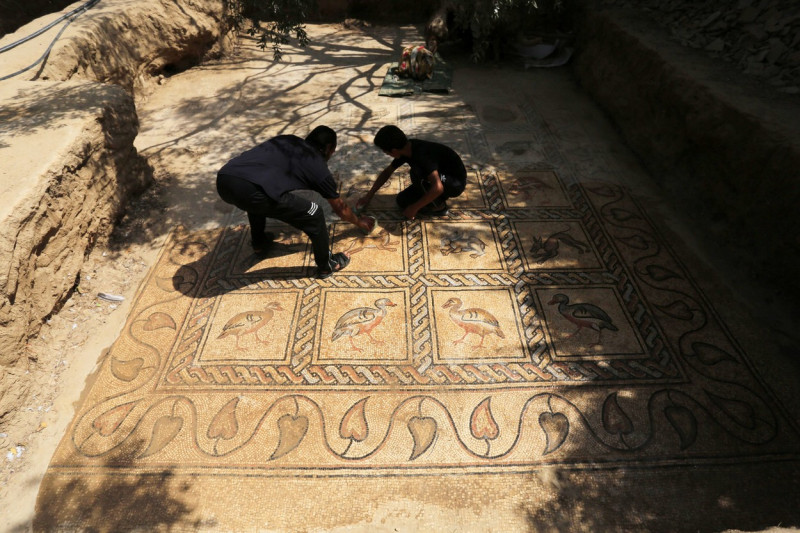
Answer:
(416, 62)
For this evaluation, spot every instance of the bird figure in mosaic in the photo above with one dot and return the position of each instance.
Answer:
(361, 320)
(584, 316)
(473, 320)
(249, 322)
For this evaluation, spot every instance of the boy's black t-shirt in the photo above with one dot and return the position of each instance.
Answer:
(282, 164)
(427, 156)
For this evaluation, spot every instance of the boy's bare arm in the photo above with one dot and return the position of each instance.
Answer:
(382, 178)
(435, 190)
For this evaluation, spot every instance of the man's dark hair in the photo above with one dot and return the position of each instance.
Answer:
(390, 137)
(320, 137)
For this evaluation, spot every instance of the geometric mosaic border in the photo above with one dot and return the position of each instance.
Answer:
(688, 396)
(542, 322)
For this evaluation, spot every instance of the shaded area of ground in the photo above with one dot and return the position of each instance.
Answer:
(15, 13)
(194, 123)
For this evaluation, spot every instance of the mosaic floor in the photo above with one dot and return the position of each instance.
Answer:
(545, 322)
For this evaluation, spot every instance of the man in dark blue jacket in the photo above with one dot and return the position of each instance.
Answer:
(260, 181)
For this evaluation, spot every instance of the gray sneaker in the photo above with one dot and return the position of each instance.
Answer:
(435, 210)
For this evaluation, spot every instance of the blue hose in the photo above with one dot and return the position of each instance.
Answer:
(72, 15)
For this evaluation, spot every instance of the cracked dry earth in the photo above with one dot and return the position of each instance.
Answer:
(665, 418)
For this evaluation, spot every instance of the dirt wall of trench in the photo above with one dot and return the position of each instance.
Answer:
(724, 148)
(72, 196)
(131, 44)
(68, 129)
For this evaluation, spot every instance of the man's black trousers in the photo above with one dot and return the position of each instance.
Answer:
(298, 212)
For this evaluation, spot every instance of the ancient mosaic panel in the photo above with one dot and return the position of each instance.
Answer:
(544, 320)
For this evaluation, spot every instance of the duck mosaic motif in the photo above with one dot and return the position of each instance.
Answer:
(407, 351)
(543, 321)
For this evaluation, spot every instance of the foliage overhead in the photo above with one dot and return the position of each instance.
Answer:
(273, 21)
(489, 26)
(486, 26)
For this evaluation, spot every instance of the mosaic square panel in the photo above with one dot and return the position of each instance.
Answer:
(360, 327)
(384, 199)
(532, 188)
(589, 323)
(462, 246)
(515, 148)
(291, 252)
(382, 251)
(252, 327)
(480, 325)
(560, 245)
(501, 115)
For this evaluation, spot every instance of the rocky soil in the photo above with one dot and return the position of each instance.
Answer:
(760, 37)
(723, 145)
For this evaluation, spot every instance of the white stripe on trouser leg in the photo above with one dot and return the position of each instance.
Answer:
(313, 208)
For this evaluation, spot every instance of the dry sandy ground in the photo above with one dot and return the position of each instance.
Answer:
(65, 354)
(186, 138)
(185, 149)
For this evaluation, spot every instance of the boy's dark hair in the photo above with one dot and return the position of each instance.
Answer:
(320, 137)
(390, 137)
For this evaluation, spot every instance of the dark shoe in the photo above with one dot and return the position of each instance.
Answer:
(263, 243)
(336, 263)
(434, 209)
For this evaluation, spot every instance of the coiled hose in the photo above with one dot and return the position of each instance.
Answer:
(69, 17)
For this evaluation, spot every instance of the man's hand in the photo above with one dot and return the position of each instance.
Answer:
(367, 224)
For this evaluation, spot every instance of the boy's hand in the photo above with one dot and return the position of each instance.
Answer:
(362, 202)
(410, 212)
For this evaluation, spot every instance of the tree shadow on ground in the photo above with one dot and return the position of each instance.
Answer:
(324, 83)
(269, 99)
(118, 498)
(742, 497)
